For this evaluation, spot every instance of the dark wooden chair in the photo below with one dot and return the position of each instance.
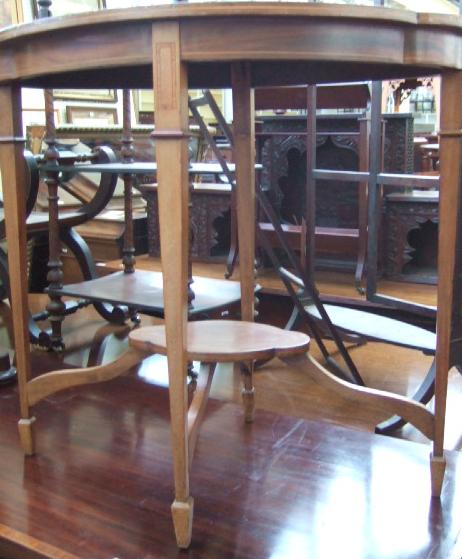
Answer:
(340, 323)
(38, 223)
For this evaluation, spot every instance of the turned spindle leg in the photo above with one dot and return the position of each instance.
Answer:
(127, 153)
(248, 391)
(55, 306)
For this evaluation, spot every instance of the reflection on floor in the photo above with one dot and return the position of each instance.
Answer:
(294, 484)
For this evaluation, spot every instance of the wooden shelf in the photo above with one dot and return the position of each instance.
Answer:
(142, 290)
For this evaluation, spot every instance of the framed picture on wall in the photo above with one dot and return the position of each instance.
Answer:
(96, 95)
(91, 116)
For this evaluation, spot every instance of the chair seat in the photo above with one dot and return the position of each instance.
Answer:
(378, 328)
(226, 341)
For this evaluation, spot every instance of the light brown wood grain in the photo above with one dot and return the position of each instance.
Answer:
(26, 428)
(248, 391)
(49, 383)
(244, 155)
(248, 38)
(197, 407)
(422, 49)
(13, 180)
(448, 244)
(437, 470)
(392, 404)
(171, 120)
(209, 9)
(182, 513)
(106, 48)
(225, 341)
(231, 31)
(255, 43)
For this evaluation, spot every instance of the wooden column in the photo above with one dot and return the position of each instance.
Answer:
(13, 178)
(127, 153)
(449, 330)
(373, 197)
(244, 153)
(171, 135)
(310, 186)
(364, 132)
(44, 8)
(55, 307)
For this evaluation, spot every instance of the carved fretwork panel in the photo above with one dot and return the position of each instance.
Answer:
(423, 240)
(410, 241)
(282, 149)
(286, 155)
(153, 223)
(209, 222)
(399, 144)
(337, 202)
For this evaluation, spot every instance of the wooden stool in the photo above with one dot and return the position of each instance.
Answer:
(211, 342)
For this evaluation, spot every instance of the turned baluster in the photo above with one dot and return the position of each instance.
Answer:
(55, 307)
(127, 153)
(44, 8)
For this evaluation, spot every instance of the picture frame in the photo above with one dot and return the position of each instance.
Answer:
(91, 116)
(143, 105)
(93, 95)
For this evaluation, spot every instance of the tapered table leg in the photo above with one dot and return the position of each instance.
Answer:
(171, 135)
(449, 330)
(12, 167)
(244, 154)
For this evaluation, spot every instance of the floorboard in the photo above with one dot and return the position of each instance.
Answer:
(100, 484)
(308, 480)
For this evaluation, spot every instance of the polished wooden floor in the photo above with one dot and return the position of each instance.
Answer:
(307, 479)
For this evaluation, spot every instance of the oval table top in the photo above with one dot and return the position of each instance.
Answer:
(316, 43)
(225, 341)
